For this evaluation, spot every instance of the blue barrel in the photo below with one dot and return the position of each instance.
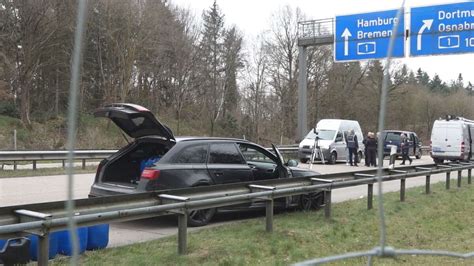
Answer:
(65, 246)
(53, 246)
(98, 236)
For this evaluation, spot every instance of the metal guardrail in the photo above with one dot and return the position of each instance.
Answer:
(43, 218)
(83, 155)
(35, 156)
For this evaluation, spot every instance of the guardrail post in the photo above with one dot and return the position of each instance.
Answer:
(43, 249)
(14, 165)
(182, 221)
(459, 178)
(34, 165)
(448, 179)
(469, 176)
(427, 188)
(268, 205)
(64, 164)
(182, 232)
(269, 216)
(402, 189)
(83, 164)
(370, 194)
(327, 203)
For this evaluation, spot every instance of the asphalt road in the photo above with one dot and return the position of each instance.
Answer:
(15, 191)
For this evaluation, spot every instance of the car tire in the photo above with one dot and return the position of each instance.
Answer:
(418, 155)
(201, 217)
(311, 201)
(359, 157)
(304, 160)
(438, 161)
(332, 158)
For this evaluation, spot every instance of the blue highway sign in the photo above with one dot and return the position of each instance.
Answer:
(442, 29)
(367, 36)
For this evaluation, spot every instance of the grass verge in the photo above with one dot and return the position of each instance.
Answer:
(439, 221)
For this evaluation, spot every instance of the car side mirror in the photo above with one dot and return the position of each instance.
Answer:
(292, 163)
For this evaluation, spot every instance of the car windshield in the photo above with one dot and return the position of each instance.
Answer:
(323, 134)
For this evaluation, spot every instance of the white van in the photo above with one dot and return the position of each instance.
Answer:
(451, 139)
(332, 135)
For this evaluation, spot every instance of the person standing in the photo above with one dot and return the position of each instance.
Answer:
(352, 145)
(405, 146)
(371, 148)
(366, 156)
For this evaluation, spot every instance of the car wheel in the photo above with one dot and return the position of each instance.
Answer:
(332, 158)
(200, 217)
(438, 161)
(418, 155)
(304, 160)
(311, 201)
(359, 157)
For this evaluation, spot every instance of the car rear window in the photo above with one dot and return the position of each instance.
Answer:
(392, 136)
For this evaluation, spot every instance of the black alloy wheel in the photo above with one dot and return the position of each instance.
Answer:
(200, 217)
(311, 201)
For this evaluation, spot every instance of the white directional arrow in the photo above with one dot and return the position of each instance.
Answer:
(426, 25)
(346, 34)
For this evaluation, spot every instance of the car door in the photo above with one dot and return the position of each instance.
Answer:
(340, 146)
(226, 164)
(260, 161)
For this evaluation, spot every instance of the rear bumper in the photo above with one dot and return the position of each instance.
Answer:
(306, 154)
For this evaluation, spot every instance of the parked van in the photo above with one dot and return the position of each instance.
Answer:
(332, 135)
(451, 139)
(392, 137)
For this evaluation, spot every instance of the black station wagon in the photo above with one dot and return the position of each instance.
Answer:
(156, 160)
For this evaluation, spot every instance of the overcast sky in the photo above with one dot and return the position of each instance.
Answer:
(253, 16)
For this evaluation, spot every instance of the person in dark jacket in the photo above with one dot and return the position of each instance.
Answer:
(405, 146)
(365, 150)
(352, 145)
(371, 148)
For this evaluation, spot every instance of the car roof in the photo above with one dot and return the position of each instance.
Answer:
(399, 131)
(194, 138)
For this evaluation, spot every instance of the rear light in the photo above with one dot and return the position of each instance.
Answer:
(150, 174)
(462, 146)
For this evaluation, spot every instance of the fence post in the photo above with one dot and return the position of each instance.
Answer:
(402, 189)
(459, 178)
(370, 193)
(182, 232)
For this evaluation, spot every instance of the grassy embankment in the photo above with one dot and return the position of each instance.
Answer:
(439, 221)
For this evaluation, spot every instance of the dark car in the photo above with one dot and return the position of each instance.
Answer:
(156, 160)
(392, 137)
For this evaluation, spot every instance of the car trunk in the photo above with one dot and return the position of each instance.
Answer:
(126, 166)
